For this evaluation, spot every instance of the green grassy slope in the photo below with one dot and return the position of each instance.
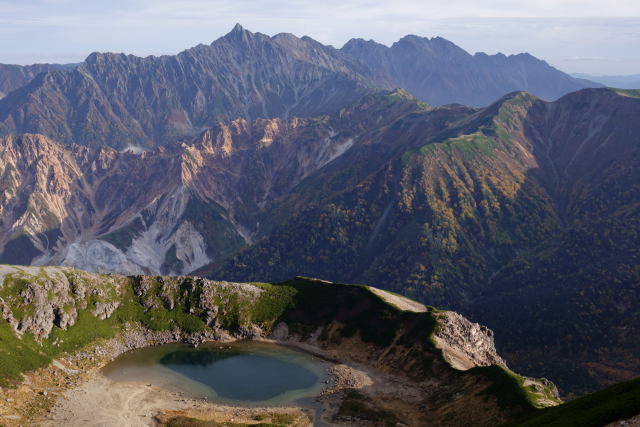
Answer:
(395, 339)
(523, 215)
(618, 402)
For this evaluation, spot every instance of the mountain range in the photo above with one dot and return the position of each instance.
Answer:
(123, 100)
(263, 158)
(523, 213)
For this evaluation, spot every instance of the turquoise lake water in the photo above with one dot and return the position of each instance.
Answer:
(245, 373)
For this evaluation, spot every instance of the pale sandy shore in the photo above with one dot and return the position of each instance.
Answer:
(105, 403)
(76, 393)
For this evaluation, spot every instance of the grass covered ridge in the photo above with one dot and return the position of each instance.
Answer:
(189, 305)
(469, 146)
(631, 93)
(618, 402)
(510, 390)
(192, 305)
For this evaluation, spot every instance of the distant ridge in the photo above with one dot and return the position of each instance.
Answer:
(439, 72)
(13, 77)
(621, 82)
(121, 100)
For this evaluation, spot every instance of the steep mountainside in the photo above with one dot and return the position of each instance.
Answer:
(13, 77)
(579, 288)
(439, 72)
(123, 101)
(522, 212)
(54, 312)
(174, 209)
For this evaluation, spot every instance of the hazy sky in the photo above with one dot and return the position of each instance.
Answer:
(592, 36)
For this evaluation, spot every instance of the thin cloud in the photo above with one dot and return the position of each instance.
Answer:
(554, 30)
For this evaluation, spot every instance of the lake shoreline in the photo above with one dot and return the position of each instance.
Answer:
(57, 394)
(71, 390)
(246, 373)
(101, 401)
(139, 403)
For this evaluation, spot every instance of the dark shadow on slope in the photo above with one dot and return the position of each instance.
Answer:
(552, 268)
(568, 310)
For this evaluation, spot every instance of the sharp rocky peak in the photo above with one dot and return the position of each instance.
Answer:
(240, 34)
(159, 100)
(237, 29)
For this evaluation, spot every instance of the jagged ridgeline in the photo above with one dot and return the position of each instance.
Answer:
(123, 100)
(53, 312)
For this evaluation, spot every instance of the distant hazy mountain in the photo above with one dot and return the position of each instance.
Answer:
(122, 101)
(622, 82)
(439, 72)
(13, 77)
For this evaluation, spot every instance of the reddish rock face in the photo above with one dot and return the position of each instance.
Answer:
(171, 209)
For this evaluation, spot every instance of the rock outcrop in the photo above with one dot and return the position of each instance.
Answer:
(465, 344)
(34, 300)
